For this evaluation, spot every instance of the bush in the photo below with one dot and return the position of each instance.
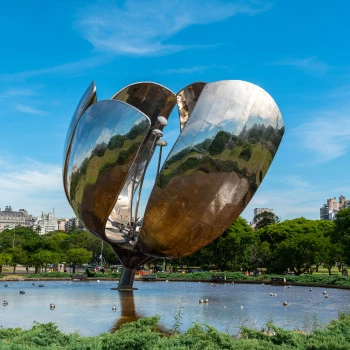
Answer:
(55, 274)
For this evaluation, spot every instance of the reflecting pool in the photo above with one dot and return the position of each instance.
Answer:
(87, 307)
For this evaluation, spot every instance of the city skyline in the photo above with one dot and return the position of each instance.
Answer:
(296, 51)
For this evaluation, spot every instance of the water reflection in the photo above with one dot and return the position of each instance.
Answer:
(128, 312)
(127, 309)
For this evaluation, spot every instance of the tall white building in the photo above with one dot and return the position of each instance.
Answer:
(45, 223)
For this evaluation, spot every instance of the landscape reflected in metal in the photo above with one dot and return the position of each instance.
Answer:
(229, 134)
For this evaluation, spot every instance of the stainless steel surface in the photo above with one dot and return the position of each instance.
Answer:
(187, 99)
(87, 99)
(155, 101)
(230, 133)
(213, 170)
(107, 138)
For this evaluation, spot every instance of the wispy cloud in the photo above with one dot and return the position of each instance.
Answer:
(32, 185)
(295, 181)
(327, 136)
(191, 70)
(143, 29)
(75, 67)
(309, 65)
(287, 197)
(340, 91)
(17, 92)
(28, 109)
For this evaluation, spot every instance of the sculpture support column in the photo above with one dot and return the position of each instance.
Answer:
(127, 279)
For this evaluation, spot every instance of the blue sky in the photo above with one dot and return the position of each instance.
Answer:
(298, 51)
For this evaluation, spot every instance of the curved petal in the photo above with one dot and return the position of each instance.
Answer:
(105, 144)
(88, 98)
(153, 100)
(213, 170)
(186, 100)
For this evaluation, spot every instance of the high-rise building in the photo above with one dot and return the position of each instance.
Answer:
(74, 224)
(45, 223)
(61, 224)
(329, 210)
(258, 211)
(11, 219)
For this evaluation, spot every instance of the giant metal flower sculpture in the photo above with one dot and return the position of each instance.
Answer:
(229, 134)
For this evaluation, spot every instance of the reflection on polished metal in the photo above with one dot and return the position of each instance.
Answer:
(229, 134)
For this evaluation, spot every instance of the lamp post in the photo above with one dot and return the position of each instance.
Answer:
(14, 236)
(161, 143)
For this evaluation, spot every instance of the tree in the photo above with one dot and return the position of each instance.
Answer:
(264, 219)
(235, 246)
(19, 256)
(331, 254)
(284, 240)
(298, 253)
(78, 256)
(232, 250)
(42, 258)
(341, 232)
(5, 259)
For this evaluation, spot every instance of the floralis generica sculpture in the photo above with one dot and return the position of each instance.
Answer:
(229, 134)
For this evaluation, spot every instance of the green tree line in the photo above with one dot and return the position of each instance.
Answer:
(297, 246)
(24, 246)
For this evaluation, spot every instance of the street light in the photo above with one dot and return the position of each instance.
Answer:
(14, 236)
(161, 143)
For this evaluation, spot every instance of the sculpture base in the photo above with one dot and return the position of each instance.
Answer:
(127, 279)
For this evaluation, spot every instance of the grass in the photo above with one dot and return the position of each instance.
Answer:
(321, 279)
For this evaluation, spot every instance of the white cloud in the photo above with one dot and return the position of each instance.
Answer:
(287, 199)
(71, 68)
(143, 29)
(191, 70)
(28, 109)
(32, 185)
(310, 65)
(327, 136)
(17, 92)
(296, 181)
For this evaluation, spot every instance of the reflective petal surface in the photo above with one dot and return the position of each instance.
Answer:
(87, 100)
(106, 141)
(218, 162)
(153, 100)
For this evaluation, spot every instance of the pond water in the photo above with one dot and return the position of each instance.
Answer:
(86, 307)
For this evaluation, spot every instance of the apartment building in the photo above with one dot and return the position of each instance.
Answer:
(74, 224)
(329, 210)
(45, 223)
(10, 218)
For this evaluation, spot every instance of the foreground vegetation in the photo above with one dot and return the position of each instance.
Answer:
(143, 334)
(314, 279)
